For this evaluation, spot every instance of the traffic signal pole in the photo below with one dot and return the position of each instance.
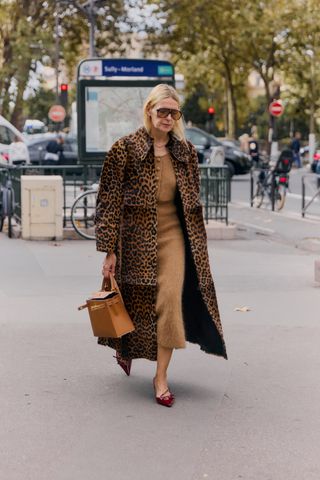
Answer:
(57, 53)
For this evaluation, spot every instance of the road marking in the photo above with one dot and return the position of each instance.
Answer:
(269, 231)
(312, 219)
(299, 196)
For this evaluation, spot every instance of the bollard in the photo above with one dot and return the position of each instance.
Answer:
(317, 271)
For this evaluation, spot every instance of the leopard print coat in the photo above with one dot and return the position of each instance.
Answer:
(126, 223)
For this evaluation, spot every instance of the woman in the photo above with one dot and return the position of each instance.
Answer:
(149, 222)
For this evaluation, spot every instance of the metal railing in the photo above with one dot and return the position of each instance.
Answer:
(215, 186)
(75, 178)
(311, 185)
(215, 192)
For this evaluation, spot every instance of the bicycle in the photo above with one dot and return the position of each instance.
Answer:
(273, 182)
(83, 213)
(7, 203)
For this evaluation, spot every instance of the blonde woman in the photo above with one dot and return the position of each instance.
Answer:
(149, 222)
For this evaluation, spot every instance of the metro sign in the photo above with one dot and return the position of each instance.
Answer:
(276, 108)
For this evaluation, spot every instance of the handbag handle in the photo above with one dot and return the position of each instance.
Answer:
(113, 284)
(104, 286)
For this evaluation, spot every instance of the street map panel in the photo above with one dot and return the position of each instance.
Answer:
(112, 112)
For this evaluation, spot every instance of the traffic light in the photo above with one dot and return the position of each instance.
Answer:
(64, 95)
(211, 112)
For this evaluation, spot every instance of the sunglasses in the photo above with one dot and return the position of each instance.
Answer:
(165, 112)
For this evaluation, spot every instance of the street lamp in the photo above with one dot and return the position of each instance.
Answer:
(89, 10)
(312, 136)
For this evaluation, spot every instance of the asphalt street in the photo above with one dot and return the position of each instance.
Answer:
(68, 411)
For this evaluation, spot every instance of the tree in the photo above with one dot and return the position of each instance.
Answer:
(301, 63)
(27, 33)
(208, 31)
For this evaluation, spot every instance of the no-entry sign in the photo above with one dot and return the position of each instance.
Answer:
(57, 113)
(276, 109)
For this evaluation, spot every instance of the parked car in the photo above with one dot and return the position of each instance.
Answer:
(32, 126)
(13, 149)
(37, 148)
(236, 160)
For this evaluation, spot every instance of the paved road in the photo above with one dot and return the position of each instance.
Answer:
(68, 412)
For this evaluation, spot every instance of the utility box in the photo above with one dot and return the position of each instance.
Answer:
(42, 207)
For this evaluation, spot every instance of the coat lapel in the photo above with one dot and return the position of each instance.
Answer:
(141, 143)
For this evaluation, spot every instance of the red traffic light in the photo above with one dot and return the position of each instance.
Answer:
(64, 87)
(211, 110)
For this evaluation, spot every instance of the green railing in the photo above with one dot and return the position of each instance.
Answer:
(75, 179)
(215, 186)
(215, 192)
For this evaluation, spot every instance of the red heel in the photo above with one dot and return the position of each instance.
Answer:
(124, 364)
(166, 398)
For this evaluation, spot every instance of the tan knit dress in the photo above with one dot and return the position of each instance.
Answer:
(171, 258)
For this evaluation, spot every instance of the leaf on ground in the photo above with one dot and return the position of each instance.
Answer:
(242, 309)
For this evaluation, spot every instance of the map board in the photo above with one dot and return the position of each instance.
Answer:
(110, 99)
(114, 111)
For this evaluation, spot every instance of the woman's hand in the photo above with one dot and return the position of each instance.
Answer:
(109, 265)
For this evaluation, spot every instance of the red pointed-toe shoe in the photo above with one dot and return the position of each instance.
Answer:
(166, 398)
(124, 364)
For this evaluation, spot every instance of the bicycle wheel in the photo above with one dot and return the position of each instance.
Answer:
(82, 214)
(2, 214)
(9, 205)
(258, 196)
(280, 194)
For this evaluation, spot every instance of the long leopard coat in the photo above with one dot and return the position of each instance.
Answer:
(126, 223)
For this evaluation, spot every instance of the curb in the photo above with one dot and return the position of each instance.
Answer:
(220, 231)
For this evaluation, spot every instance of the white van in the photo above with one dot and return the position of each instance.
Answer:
(13, 149)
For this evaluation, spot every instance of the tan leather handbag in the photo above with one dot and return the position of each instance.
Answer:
(108, 315)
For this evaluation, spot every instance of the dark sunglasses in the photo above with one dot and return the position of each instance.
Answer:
(165, 112)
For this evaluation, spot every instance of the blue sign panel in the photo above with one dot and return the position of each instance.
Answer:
(136, 68)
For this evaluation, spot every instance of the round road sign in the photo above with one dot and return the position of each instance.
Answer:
(57, 113)
(276, 108)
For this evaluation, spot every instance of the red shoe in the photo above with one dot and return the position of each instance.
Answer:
(166, 398)
(124, 364)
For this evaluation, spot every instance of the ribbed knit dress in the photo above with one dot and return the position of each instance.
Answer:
(170, 259)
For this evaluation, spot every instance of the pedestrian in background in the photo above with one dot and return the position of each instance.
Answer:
(149, 222)
(295, 147)
(54, 151)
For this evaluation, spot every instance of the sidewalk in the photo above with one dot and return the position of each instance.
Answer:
(69, 412)
(284, 226)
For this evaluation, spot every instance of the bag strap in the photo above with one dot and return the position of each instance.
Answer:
(113, 284)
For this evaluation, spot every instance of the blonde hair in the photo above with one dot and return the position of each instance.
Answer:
(158, 93)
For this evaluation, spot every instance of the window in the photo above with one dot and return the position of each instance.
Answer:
(197, 138)
(6, 136)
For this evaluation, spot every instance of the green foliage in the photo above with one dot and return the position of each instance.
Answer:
(28, 32)
(38, 105)
(218, 43)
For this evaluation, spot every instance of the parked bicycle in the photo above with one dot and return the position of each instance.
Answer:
(272, 183)
(7, 202)
(83, 213)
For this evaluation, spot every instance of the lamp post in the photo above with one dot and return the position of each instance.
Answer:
(312, 136)
(89, 11)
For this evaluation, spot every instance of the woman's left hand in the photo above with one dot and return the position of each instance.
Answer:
(109, 265)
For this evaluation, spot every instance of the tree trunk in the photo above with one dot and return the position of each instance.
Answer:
(6, 77)
(232, 125)
(17, 114)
